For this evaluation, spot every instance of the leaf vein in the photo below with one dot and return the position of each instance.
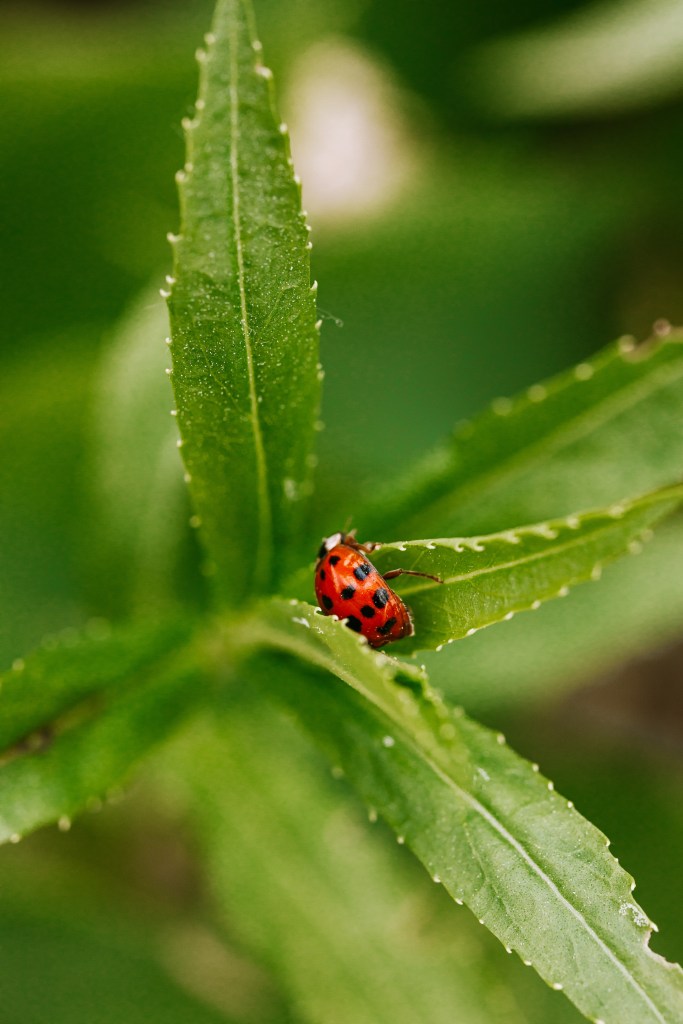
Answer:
(472, 802)
(265, 519)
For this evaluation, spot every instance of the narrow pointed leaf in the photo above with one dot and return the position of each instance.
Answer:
(484, 822)
(489, 578)
(606, 428)
(278, 835)
(243, 318)
(637, 606)
(136, 477)
(109, 705)
(72, 667)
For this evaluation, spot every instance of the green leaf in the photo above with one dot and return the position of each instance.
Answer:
(75, 665)
(105, 705)
(136, 479)
(243, 318)
(481, 819)
(637, 607)
(582, 439)
(489, 578)
(376, 942)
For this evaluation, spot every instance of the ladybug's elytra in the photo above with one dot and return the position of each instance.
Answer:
(348, 585)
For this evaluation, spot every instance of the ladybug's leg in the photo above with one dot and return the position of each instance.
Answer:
(393, 573)
(350, 539)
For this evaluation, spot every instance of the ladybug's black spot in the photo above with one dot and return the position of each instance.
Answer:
(362, 570)
(333, 559)
(348, 592)
(327, 601)
(322, 574)
(387, 627)
(380, 597)
(353, 623)
(367, 611)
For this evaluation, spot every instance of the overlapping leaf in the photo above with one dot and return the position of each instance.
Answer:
(76, 718)
(579, 440)
(483, 821)
(73, 666)
(343, 917)
(140, 501)
(243, 318)
(488, 578)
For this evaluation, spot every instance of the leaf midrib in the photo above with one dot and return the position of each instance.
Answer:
(264, 543)
(577, 540)
(331, 665)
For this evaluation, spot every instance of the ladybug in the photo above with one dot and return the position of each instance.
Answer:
(348, 585)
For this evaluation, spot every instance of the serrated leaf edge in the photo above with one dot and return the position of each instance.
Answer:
(284, 642)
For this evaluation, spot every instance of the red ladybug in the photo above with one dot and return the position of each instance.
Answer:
(348, 585)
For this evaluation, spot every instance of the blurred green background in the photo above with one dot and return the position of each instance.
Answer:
(495, 192)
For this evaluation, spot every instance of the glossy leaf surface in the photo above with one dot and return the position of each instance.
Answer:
(243, 317)
(585, 438)
(483, 821)
(85, 716)
(489, 578)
